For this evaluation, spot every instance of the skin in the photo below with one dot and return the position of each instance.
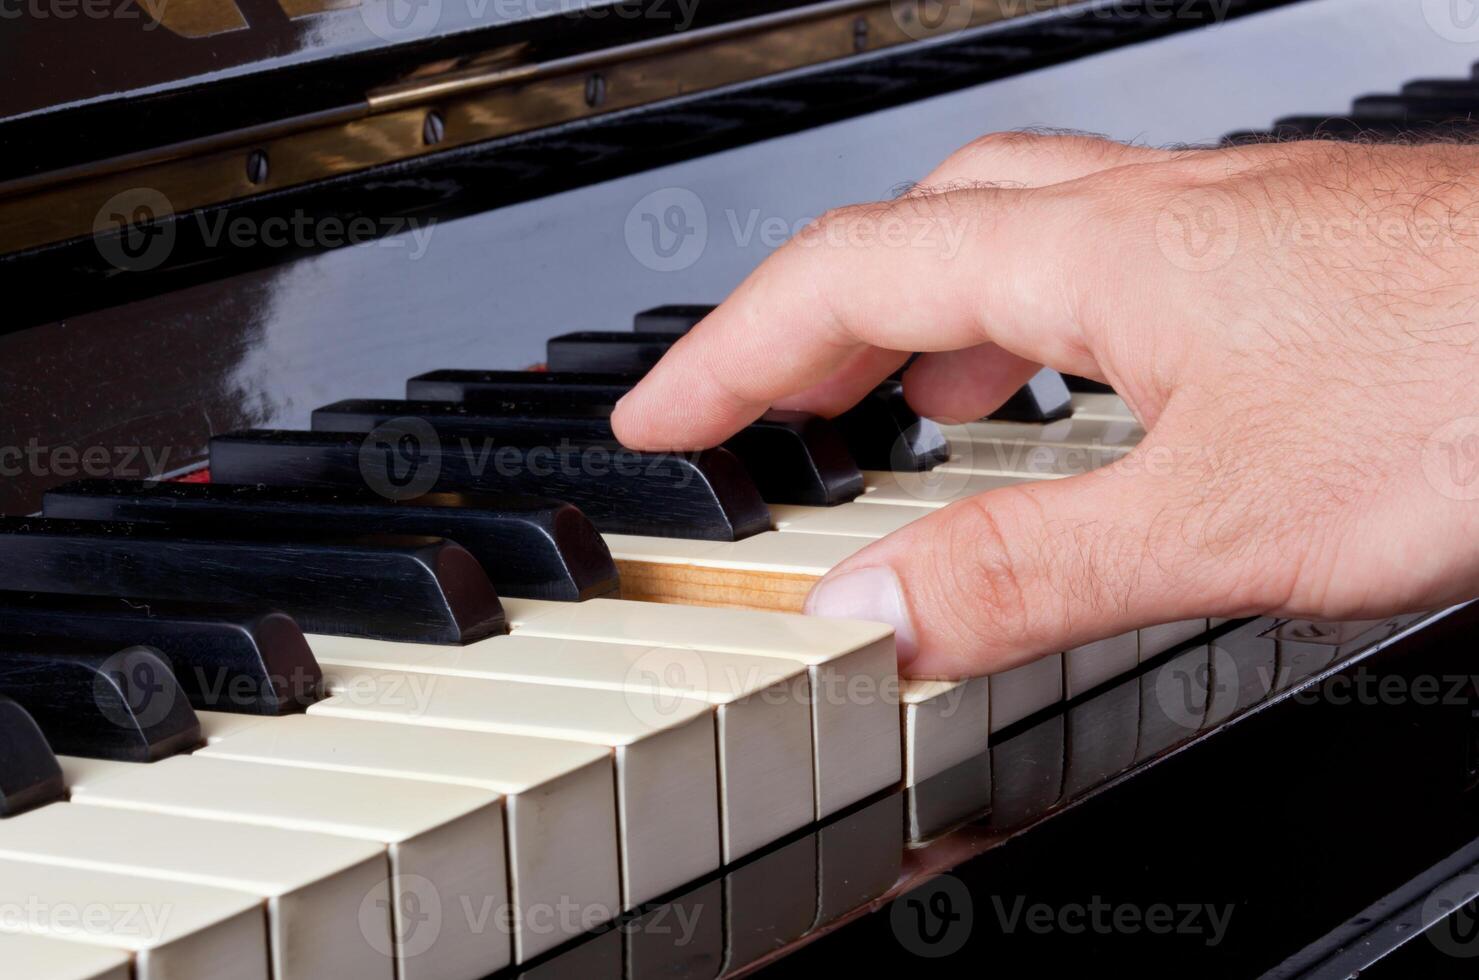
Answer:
(1294, 324)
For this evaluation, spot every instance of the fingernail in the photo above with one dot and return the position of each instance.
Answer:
(869, 593)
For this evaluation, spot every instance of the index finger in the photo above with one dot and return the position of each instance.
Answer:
(928, 273)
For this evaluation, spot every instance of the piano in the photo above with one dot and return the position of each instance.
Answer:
(335, 642)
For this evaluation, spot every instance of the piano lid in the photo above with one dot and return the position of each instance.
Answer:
(71, 52)
(204, 102)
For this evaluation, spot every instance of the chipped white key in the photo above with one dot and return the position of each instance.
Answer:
(1088, 666)
(173, 929)
(1023, 690)
(445, 843)
(44, 958)
(762, 713)
(851, 519)
(1156, 640)
(1085, 433)
(1011, 458)
(932, 488)
(852, 668)
(667, 782)
(1100, 405)
(559, 800)
(945, 723)
(315, 885)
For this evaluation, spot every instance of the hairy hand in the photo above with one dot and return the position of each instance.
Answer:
(1295, 325)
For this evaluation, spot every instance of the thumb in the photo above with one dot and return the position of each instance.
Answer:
(1001, 578)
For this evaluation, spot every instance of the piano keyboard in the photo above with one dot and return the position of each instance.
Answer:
(312, 713)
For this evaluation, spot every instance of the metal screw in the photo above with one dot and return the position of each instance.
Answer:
(595, 89)
(257, 166)
(860, 34)
(434, 129)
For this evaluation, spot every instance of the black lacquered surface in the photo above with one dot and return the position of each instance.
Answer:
(225, 658)
(530, 547)
(793, 457)
(704, 495)
(99, 700)
(29, 774)
(418, 589)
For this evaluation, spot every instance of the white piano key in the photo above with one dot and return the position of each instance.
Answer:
(559, 800)
(1156, 640)
(1009, 458)
(762, 711)
(43, 958)
(945, 723)
(445, 842)
(932, 488)
(667, 551)
(1076, 431)
(1019, 692)
(173, 930)
(666, 766)
(315, 885)
(1100, 405)
(785, 554)
(1086, 667)
(851, 519)
(852, 669)
(228, 723)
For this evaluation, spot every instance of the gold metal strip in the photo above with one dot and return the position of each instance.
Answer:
(472, 106)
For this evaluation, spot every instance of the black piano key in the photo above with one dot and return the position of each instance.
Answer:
(1365, 128)
(225, 658)
(101, 701)
(873, 430)
(1414, 108)
(705, 495)
(29, 773)
(1466, 88)
(389, 587)
(567, 392)
(530, 547)
(884, 433)
(1080, 385)
(607, 352)
(674, 319)
(1042, 399)
(793, 457)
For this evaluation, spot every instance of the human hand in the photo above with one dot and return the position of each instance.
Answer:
(1294, 324)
